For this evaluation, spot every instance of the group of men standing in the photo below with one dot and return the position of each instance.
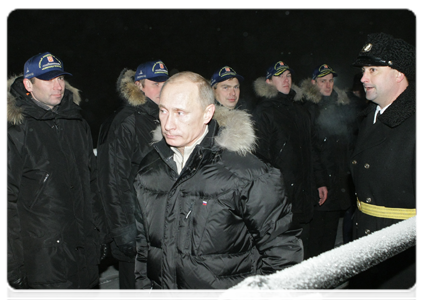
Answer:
(193, 188)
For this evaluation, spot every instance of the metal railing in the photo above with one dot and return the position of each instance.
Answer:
(332, 268)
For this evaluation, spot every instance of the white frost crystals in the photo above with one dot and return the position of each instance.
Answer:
(336, 266)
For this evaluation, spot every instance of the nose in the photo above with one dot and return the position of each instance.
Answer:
(364, 78)
(57, 85)
(168, 122)
(232, 91)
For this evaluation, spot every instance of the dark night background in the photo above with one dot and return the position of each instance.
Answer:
(95, 45)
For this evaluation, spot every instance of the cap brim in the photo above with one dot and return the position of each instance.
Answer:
(323, 74)
(278, 73)
(159, 78)
(51, 75)
(221, 79)
(369, 61)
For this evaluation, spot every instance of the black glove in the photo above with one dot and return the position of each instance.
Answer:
(128, 249)
(104, 251)
(20, 283)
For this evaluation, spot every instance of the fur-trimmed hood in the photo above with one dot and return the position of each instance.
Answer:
(263, 89)
(312, 93)
(15, 114)
(236, 130)
(127, 89)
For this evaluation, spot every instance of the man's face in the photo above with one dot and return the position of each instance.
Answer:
(49, 92)
(182, 118)
(282, 83)
(151, 89)
(379, 83)
(227, 92)
(325, 84)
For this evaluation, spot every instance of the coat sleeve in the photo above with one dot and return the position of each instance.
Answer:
(15, 260)
(141, 279)
(267, 214)
(114, 160)
(264, 131)
(97, 204)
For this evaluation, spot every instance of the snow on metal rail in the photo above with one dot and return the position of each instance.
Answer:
(332, 268)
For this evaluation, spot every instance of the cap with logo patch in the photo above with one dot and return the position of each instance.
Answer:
(223, 74)
(44, 66)
(322, 71)
(277, 69)
(152, 70)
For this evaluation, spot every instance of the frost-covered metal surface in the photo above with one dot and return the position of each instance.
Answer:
(334, 267)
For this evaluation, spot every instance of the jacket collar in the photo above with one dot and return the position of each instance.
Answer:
(401, 109)
(312, 93)
(20, 104)
(268, 91)
(229, 129)
(127, 89)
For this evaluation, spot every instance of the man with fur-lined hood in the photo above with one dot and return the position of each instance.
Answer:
(333, 120)
(210, 213)
(124, 140)
(55, 216)
(284, 136)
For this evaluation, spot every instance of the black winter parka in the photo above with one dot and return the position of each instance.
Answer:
(124, 140)
(283, 128)
(55, 216)
(224, 218)
(334, 122)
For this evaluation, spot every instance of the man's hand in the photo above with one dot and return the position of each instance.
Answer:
(18, 286)
(128, 249)
(323, 194)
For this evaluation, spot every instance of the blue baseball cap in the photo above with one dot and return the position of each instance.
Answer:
(322, 71)
(152, 70)
(223, 74)
(277, 69)
(44, 66)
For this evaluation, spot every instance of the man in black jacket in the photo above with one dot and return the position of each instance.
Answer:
(210, 213)
(124, 140)
(55, 216)
(284, 132)
(383, 163)
(333, 119)
(226, 84)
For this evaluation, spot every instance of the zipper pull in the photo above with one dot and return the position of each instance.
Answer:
(190, 209)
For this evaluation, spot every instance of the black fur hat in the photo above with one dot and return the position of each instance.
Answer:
(382, 49)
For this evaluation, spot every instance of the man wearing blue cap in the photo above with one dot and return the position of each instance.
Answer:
(55, 214)
(226, 84)
(285, 140)
(124, 140)
(333, 120)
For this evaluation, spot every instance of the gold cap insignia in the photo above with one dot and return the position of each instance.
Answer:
(367, 48)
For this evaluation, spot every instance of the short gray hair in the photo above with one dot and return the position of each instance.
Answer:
(204, 90)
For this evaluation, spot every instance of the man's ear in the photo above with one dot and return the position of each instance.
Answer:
(268, 81)
(27, 84)
(313, 82)
(399, 76)
(208, 113)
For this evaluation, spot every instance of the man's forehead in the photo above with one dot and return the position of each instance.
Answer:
(229, 82)
(178, 92)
